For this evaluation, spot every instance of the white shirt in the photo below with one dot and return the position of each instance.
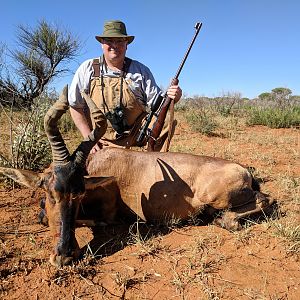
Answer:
(139, 78)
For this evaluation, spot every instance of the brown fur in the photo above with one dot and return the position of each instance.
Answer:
(153, 185)
(158, 186)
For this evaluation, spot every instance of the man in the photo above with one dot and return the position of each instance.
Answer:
(122, 88)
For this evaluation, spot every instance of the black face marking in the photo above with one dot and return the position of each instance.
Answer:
(69, 179)
(42, 217)
(66, 244)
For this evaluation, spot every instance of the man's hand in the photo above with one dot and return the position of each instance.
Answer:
(174, 92)
(83, 125)
(100, 145)
(96, 148)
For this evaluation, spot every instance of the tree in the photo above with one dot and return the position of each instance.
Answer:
(281, 93)
(281, 96)
(295, 98)
(41, 56)
(265, 96)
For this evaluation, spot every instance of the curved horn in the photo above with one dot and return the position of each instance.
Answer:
(89, 142)
(60, 152)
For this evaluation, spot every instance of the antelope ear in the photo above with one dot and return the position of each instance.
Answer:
(28, 178)
(92, 183)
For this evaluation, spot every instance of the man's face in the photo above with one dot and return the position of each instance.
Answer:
(114, 49)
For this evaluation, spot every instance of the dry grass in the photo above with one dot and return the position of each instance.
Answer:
(174, 262)
(289, 231)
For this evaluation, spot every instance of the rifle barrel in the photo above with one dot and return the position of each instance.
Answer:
(158, 124)
(197, 27)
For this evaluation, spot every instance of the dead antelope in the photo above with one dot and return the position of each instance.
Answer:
(155, 186)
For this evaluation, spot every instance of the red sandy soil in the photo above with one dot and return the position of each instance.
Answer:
(184, 262)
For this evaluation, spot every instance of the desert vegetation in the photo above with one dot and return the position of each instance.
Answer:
(191, 260)
(187, 261)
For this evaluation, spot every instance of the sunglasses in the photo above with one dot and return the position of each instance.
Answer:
(114, 40)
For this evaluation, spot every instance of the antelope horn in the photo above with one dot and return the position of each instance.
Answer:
(90, 141)
(60, 152)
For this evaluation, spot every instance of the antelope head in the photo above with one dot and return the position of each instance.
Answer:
(65, 184)
(64, 181)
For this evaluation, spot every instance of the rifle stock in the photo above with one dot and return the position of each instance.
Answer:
(160, 120)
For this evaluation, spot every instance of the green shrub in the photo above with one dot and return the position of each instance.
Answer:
(66, 123)
(29, 148)
(274, 117)
(224, 110)
(223, 105)
(201, 120)
(182, 106)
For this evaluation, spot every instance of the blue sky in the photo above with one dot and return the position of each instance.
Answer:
(244, 46)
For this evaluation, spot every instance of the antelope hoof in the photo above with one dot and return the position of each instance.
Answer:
(59, 261)
(262, 201)
(228, 221)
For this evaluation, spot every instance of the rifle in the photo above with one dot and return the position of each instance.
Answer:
(161, 104)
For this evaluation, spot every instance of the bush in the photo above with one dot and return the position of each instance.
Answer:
(201, 120)
(274, 117)
(30, 148)
(225, 105)
(66, 123)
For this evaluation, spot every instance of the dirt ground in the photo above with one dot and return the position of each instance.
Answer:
(141, 261)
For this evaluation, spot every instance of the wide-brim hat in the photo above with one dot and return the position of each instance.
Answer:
(115, 29)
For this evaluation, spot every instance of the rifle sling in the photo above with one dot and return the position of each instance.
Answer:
(170, 129)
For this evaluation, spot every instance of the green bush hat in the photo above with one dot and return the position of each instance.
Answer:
(114, 29)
